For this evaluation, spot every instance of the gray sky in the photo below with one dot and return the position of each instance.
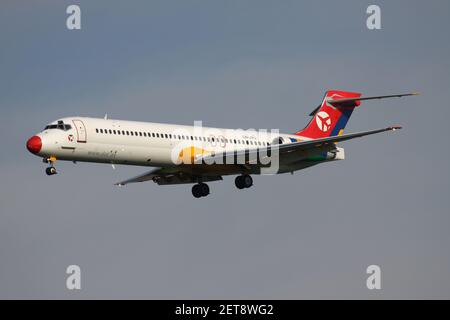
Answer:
(238, 64)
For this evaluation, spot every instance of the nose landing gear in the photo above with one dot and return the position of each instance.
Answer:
(51, 170)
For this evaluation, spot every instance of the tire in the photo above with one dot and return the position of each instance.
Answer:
(50, 171)
(239, 182)
(247, 181)
(204, 188)
(197, 191)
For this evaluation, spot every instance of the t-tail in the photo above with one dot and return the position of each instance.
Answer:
(331, 117)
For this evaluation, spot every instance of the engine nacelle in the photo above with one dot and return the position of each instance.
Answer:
(280, 140)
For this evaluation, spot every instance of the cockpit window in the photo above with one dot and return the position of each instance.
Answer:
(60, 125)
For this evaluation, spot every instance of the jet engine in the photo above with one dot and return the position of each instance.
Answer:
(280, 140)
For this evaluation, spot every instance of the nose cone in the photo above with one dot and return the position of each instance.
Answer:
(34, 144)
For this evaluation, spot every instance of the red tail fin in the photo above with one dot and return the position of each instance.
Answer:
(329, 120)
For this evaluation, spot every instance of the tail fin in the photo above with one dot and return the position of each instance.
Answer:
(330, 119)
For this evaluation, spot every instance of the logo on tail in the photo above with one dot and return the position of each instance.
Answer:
(330, 118)
(323, 121)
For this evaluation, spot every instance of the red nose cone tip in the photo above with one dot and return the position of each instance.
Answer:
(34, 144)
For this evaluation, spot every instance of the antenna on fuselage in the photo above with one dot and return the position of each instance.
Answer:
(106, 116)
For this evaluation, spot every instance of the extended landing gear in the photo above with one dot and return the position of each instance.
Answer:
(51, 170)
(244, 181)
(200, 190)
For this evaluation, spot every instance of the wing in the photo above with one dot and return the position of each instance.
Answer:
(180, 175)
(150, 175)
(170, 175)
(334, 139)
(291, 147)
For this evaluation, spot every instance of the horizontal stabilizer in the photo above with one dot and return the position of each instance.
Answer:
(351, 101)
(348, 102)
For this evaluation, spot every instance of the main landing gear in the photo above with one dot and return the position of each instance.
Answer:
(200, 190)
(244, 181)
(51, 170)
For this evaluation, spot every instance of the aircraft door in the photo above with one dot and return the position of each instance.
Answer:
(81, 131)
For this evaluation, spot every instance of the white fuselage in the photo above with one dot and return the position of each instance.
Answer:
(145, 143)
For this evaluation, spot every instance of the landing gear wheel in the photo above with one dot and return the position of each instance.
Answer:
(239, 182)
(200, 190)
(50, 171)
(196, 192)
(204, 189)
(248, 181)
(244, 181)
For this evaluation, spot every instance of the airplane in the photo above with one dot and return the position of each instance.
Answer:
(192, 155)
